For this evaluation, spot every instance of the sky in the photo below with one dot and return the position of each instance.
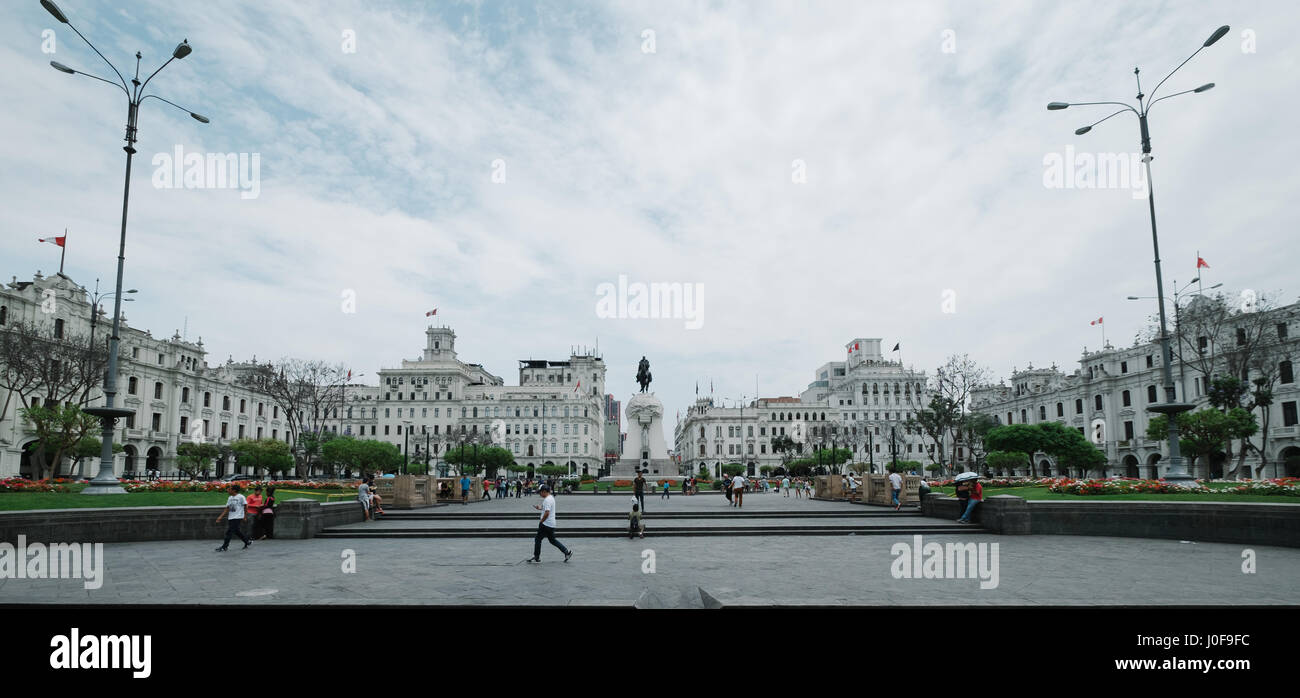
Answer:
(818, 171)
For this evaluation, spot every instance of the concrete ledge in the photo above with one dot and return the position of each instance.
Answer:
(1247, 523)
(296, 518)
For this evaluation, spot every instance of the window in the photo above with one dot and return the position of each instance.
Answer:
(1151, 394)
(225, 430)
(156, 423)
(157, 391)
(1009, 421)
(1128, 431)
(1288, 414)
(1023, 418)
(207, 399)
(185, 396)
(131, 384)
(1285, 373)
(207, 428)
(1151, 360)
(241, 431)
(185, 425)
(1281, 326)
(135, 352)
(1078, 407)
(1042, 412)
(1201, 343)
(1241, 336)
(386, 430)
(1123, 367)
(225, 403)
(4, 313)
(1096, 402)
(1128, 399)
(1060, 409)
(160, 359)
(58, 328)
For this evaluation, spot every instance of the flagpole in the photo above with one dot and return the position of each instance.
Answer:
(1199, 283)
(63, 250)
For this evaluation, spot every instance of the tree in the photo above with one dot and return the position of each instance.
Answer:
(269, 455)
(973, 428)
(193, 458)
(1005, 460)
(58, 430)
(732, 469)
(704, 473)
(1204, 432)
(765, 470)
(1018, 438)
(954, 381)
(309, 392)
(311, 444)
(936, 422)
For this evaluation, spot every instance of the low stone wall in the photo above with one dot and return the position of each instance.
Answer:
(1247, 523)
(295, 518)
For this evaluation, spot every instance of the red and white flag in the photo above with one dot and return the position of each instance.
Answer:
(431, 313)
(349, 375)
(60, 241)
(1200, 263)
(1096, 322)
(579, 385)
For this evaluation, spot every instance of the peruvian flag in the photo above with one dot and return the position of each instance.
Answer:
(1096, 322)
(349, 375)
(1200, 263)
(431, 313)
(56, 241)
(579, 385)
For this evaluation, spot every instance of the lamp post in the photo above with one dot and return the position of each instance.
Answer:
(406, 445)
(105, 482)
(1178, 327)
(95, 298)
(1176, 473)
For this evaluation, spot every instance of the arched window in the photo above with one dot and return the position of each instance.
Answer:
(1042, 412)
(4, 313)
(1096, 402)
(1060, 409)
(1023, 418)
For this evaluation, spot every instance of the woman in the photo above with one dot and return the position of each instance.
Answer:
(975, 493)
(254, 505)
(268, 515)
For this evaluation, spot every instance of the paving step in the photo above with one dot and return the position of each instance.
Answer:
(758, 514)
(656, 532)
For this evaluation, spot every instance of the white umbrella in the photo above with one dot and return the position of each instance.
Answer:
(966, 476)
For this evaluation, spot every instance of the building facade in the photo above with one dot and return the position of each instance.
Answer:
(861, 403)
(1107, 397)
(167, 382)
(555, 416)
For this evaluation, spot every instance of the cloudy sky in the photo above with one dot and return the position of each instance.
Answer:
(824, 170)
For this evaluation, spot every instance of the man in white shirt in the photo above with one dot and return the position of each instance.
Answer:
(785, 485)
(737, 489)
(853, 487)
(234, 513)
(896, 487)
(546, 526)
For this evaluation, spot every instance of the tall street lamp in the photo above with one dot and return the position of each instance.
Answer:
(105, 482)
(95, 298)
(1176, 473)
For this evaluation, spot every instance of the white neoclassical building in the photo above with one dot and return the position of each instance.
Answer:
(1107, 396)
(861, 403)
(167, 382)
(555, 416)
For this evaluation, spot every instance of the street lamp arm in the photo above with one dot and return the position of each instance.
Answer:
(199, 117)
(159, 70)
(1119, 104)
(1152, 104)
(74, 71)
(110, 63)
(1175, 70)
(1108, 117)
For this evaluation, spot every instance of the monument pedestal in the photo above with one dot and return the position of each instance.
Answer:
(645, 448)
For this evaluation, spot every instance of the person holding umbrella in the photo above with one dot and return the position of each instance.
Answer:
(970, 490)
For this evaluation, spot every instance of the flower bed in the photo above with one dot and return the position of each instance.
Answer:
(218, 486)
(1283, 487)
(18, 484)
(1086, 487)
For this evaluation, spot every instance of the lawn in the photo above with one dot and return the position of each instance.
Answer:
(17, 501)
(1041, 493)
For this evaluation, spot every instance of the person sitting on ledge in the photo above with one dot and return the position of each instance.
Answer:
(976, 492)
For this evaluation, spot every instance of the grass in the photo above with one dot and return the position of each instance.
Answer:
(20, 501)
(1042, 493)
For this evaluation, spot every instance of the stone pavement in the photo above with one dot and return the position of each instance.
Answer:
(688, 571)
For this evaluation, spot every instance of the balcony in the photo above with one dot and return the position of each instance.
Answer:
(1284, 432)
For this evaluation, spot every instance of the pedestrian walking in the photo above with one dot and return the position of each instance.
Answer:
(234, 515)
(546, 526)
(487, 490)
(807, 489)
(738, 489)
(665, 494)
(253, 511)
(638, 488)
(895, 487)
(785, 486)
(465, 484)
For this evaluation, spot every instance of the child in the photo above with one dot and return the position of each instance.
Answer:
(635, 523)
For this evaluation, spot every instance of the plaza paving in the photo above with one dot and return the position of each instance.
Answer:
(690, 571)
